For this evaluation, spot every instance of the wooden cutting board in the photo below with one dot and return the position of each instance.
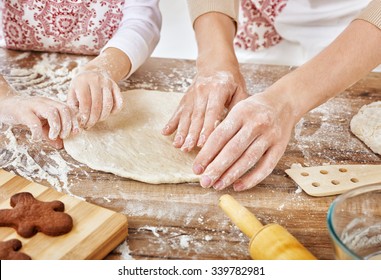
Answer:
(96, 230)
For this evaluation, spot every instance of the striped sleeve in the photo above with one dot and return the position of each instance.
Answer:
(200, 7)
(372, 13)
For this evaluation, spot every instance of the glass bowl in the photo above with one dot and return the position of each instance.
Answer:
(354, 223)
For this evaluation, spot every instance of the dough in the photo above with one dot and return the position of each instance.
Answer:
(366, 125)
(130, 143)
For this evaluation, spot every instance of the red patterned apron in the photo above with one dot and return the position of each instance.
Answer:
(71, 26)
(256, 24)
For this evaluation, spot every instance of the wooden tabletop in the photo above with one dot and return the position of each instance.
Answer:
(183, 221)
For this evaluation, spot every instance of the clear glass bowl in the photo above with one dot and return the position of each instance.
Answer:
(354, 223)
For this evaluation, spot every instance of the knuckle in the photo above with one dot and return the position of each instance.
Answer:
(198, 114)
(53, 111)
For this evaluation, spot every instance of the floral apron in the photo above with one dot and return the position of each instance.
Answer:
(71, 26)
(256, 29)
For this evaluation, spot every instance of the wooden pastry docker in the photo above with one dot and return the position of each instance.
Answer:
(269, 242)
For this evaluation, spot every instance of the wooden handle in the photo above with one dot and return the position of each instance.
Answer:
(240, 216)
(270, 242)
(274, 242)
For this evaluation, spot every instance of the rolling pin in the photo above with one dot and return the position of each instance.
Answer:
(269, 242)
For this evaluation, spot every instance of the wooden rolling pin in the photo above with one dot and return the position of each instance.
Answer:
(269, 242)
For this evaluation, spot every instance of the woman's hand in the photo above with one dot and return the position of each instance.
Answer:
(247, 145)
(204, 106)
(217, 87)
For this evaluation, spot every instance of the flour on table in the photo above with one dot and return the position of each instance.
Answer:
(366, 125)
(130, 143)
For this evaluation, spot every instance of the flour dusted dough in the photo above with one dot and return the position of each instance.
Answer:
(130, 143)
(366, 125)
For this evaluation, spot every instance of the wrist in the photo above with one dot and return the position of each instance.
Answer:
(215, 34)
(112, 62)
(285, 97)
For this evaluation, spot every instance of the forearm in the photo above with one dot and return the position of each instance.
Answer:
(215, 34)
(351, 56)
(113, 62)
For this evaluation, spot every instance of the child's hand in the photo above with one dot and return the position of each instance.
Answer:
(46, 118)
(95, 95)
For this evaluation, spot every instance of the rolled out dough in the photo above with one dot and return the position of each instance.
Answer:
(130, 143)
(366, 125)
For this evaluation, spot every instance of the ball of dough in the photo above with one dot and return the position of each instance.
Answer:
(366, 125)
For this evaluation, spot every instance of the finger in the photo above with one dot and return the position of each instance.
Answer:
(226, 158)
(263, 168)
(239, 95)
(217, 140)
(248, 159)
(96, 106)
(118, 99)
(173, 122)
(75, 124)
(197, 121)
(57, 143)
(34, 125)
(183, 127)
(66, 121)
(52, 116)
(108, 103)
(72, 100)
(84, 98)
(215, 111)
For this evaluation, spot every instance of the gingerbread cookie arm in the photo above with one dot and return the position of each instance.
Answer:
(9, 250)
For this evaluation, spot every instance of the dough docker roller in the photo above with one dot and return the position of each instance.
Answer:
(268, 242)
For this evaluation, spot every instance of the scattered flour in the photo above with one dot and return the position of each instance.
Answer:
(50, 78)
(184, 241)
(329, 134)
(124, 251)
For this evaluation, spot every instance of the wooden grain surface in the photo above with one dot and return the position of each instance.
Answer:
(183, 221)
(96, 231)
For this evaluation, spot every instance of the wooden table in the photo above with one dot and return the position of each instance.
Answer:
(183, 221)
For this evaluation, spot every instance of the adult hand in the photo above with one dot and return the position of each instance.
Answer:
(46, 118)
(246, 146)
(204, 106)
(217, 87)
(95, 96)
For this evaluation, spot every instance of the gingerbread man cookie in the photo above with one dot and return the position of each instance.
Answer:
(9, 250)
(30, 216)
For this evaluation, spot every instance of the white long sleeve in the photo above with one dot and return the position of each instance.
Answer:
(138, 32)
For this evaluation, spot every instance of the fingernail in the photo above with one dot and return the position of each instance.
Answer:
(75, 130)
(75, 126)
(165, 129)
(53, 133)
(198, 169)
(205, 181)
(189, 142)
(201, 141)
(239, 186)
(178, 140)
(219, 185)
(83, 119)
